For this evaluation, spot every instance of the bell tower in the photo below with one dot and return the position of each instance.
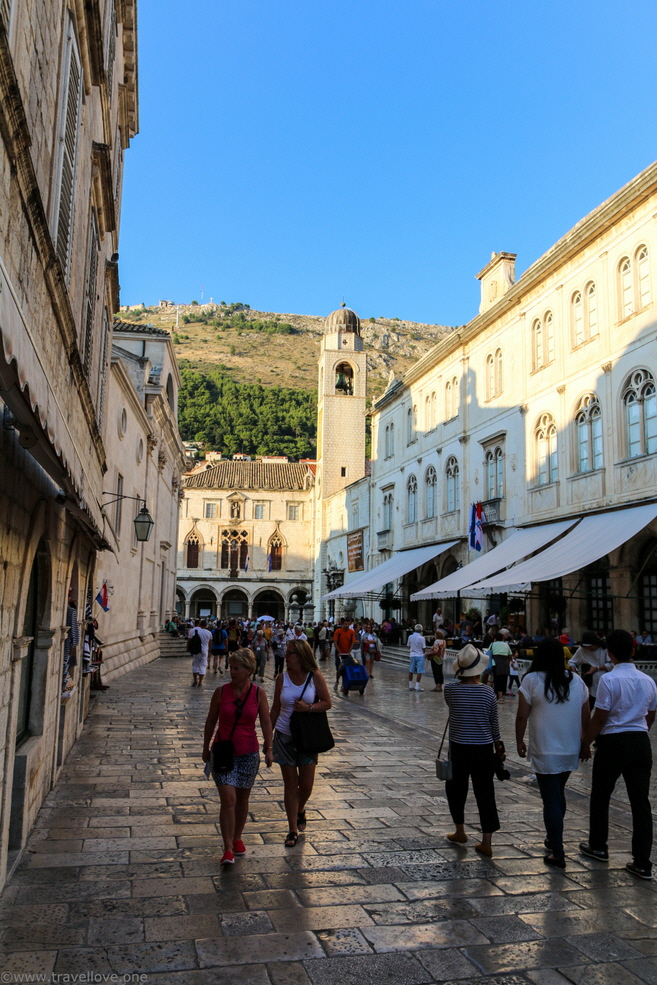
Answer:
(341, 402)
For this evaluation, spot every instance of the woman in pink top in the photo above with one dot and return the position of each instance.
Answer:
(235, 786)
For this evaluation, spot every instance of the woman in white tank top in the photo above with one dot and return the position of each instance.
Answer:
(298, 769)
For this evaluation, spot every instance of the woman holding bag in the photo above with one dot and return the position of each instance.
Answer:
(474, 737)
(300, 688)
(234, 709)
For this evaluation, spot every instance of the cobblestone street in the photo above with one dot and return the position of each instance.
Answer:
(122, 872)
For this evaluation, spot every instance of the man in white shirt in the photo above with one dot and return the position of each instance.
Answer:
(200, 659)
(416, 645)
(299, 633)
(438, 619)
(625, 709)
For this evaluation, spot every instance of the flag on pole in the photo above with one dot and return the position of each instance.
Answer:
(480, 519)
(246, 563)
(269, 563)
(103, 598)
(472, 527)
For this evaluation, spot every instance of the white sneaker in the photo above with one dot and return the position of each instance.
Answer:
(418, 688)
(410, 687)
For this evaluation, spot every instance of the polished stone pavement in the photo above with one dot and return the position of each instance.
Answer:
(122, 872)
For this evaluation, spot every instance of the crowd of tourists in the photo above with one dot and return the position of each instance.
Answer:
(573, 696)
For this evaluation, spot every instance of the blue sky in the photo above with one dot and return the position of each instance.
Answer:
(296, 152)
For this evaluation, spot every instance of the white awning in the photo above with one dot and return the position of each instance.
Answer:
(515, 548)
(399, 564)
(591, 539)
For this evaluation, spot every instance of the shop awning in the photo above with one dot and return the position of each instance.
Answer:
(515, 548)
(399, 564)
(592, 538)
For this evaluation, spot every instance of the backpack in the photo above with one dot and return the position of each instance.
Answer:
(194, 644)
(232, 634)
(218, 637)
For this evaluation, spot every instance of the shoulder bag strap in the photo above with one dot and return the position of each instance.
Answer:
(240, 705)
(308, 680)
(442, 741)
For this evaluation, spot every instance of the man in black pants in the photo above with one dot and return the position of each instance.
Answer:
(624, 711)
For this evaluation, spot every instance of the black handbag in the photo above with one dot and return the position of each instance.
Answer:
(311, 732)
(223, 750)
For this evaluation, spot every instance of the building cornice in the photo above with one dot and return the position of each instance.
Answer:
(585, 232)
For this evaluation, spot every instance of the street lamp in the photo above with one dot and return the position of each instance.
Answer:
(143, 522)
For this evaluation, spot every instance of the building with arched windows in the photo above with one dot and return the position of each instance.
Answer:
(543, 409)
(245, 540)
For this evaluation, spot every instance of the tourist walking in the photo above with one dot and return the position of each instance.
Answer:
(417, 644)
(555, 702)
(625, 709)
(474, 739)
(233, 711)
(436, 656)
(200, 650)
(301, 688)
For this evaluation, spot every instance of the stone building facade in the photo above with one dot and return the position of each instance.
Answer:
(68, 110)
(245, 542)
(145, 459)
(543, 409)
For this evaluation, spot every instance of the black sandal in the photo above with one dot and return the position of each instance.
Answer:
(292, 839)
(301, 821)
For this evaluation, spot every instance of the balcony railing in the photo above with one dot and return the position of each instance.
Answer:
(492, 510)
(383, 539)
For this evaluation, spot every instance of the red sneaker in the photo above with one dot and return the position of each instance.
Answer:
(227, 858)
(239, 848)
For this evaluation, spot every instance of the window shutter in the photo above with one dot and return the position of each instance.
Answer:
(69, 138)
(90, 292)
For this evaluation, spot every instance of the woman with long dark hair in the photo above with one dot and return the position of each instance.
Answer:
(557, 702)
(301, 687)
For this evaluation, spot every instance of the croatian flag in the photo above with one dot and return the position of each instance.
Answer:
(479, 527)
(269, 563)
(102, 598)
(472, 527)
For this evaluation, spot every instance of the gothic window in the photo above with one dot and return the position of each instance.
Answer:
(275, 553)
(588, 426)
(411, 499)
(453, 490)
(640, 406)
(390, 440)
(490, 377)
(546, 450)
(494, 473)
(409, 425)
(234, 549)
(430, 482)
(192, 552)
(434, 419)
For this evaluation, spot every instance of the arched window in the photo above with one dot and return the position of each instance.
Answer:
(499, 380)
(427, 413)
(591, 310)
(577, 317)
(448, 400)
(453, 491)
(625, 287)
(411, 499)
(434, 419)
(431, 485)
(643, 276)
(542, 341)
(546, 450)
(409, 425)
(490, 377)
(390, 440)
(494, 470)
(192, 552)
(640, 405)
(451, 398)
(588, 424)
(344, 379)
(275, 553)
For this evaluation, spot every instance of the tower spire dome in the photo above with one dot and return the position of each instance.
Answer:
(342, 320)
